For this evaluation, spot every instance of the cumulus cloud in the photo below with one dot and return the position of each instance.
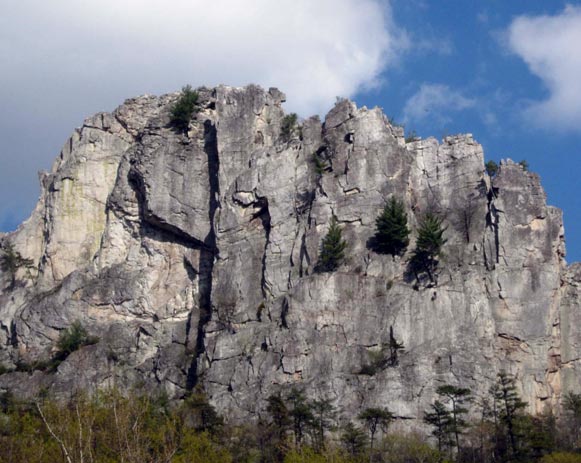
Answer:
(63, 60)
(550, 47)
(435, 102)
(312, 50)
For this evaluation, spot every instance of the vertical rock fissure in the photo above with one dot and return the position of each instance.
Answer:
(265, 218)
(208, 252)
(492, 219)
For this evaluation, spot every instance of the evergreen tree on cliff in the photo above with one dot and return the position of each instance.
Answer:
(332, 248)
(11, 261)
(391, 236)
(428, 245)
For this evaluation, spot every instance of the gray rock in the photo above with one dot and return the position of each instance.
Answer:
(192, 256)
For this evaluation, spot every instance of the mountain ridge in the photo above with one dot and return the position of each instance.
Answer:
(192, 256)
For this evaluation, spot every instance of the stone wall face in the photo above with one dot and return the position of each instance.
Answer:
(193, 257)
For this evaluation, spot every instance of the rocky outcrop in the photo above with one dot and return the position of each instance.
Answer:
(192, 256)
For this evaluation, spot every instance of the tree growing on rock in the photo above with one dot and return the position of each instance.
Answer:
(289, 126)
(428, 245)
(491, 168)
(332, 248)
(73, 338)
(392, 233)
(184, 108)
(11, 261)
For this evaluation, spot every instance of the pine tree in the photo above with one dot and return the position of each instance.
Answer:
(323, 416)
(353, 439)
(184, 108)
(391, 236)
(332, 248)
(457, 396)
(491, 168)
(572, 405)
(428, 245)
(440, 418)
(510, 408)
(300, 414)
(374, 419)
(288, 126)
(11, 261)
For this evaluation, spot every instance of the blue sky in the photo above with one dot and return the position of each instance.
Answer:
(468, 59)
(505, 71)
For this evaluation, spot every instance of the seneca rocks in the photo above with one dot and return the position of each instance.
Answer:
(191, 256)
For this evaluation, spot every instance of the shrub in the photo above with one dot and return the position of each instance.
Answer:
(391, 120)
(4, 369)
(491, 168)
(332, 248)
(411, 136)
(391, 235)
(72, 339)
(408, 448)
(524, 164)
(320, 165)
(183, 110)
(288, 126)
(562, 457)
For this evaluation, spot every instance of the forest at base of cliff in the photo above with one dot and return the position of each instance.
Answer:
(110, 427)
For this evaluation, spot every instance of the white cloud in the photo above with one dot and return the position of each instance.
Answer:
(312, 50)
(550, 46)
(62, 60)
(435, 102)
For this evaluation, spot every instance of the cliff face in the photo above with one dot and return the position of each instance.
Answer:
(192, 257)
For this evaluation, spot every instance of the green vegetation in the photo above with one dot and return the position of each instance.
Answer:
(491, 168)
(456, 397)
(109, 427)
(524, 164)
(439, 417)
(375, 419)
(411, 136)
(572, 406)
(11, 261)
(185, 107)
(289, 127)
(392, 233)
(509, 414)
(105, 428)
(320, 165)
(428, 246)
(332, 248)
(73, 338)
(393, 122)
(354, 440)
(386, 357)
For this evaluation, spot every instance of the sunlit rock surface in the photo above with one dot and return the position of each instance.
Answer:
(192, 256)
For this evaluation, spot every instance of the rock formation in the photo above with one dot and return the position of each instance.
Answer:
(192, 257)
